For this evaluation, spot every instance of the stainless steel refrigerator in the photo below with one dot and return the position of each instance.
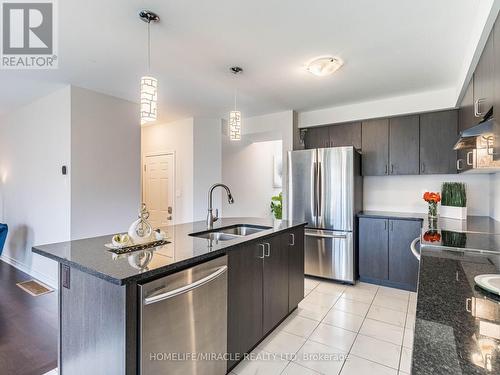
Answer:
(325, 189)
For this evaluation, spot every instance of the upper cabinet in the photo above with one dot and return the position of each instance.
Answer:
(404, 145)
(316, 137)
(375, 146)
(391, 146)
(438, 134)
(466, 119)
(484, 79)
(348, 134)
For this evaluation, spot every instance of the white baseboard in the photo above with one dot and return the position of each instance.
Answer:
(35, 274)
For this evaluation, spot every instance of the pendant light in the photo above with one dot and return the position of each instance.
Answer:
(235, 116)
(149, 84)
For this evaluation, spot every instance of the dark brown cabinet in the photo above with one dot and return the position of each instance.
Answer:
(484, 79)
(265, 283)
(348, 134)
(466, 119)
(403, 266)
(295, 243)
(404, 148)
(317, 137)
(373, 249)
(384, 252)
(438, 134)
(245, 299)
(375, 147)
(275, 281)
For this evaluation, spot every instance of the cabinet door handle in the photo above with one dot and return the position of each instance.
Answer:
(263, 251)
(423, 167)
(477, 107)
(392, 168)
(292, 237)
(386, 169)
(385, 224)
(392, 226)
(470, 158)
(459, 167)
(268, 253)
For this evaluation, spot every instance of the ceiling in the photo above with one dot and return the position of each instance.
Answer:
(390, 48)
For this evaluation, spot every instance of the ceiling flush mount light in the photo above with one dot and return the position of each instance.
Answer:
(324, 66)
(235, 116)
(149, 84)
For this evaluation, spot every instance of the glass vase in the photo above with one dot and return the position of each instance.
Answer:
(433, 214)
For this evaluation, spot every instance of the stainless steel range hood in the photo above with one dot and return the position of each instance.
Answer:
(480, 142)
(469, 137)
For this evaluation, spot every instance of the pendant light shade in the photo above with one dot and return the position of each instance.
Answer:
(235, 125)
(235, 116)
(149, 99)
(149, 84)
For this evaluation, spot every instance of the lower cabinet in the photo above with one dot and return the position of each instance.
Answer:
(245, 290)
(295, 242)
(373, 249)
(403, 266)
(384, 252)
(275, 285)
(265, 283)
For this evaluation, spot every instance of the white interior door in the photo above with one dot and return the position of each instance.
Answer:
(159, 189)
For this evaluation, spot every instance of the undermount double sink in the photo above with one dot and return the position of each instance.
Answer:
(231, 232)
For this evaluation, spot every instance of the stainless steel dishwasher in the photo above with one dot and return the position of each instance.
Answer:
(183, 321)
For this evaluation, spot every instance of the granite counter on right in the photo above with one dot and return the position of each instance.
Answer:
(457, 328)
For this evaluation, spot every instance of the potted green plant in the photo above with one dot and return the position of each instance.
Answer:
(277, 206)
(454, 200)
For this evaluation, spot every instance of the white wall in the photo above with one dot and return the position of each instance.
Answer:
(248, 171)
(404, 193)
(207, 159)
(105, 163)
(495, 196)
(34, 145)
(252, 191)
(405, 104)
(175, 137)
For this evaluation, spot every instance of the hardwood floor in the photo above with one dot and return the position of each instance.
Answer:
(28, 327)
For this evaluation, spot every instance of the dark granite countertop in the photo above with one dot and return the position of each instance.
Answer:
(90, 256)
(457, 329)
(392, 215)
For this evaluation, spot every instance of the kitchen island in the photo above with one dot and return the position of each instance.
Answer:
(101, 301)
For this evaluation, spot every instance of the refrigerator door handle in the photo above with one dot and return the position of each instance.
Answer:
(320, 189)
(315, 190)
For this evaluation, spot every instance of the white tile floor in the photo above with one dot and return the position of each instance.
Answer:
(339, 329)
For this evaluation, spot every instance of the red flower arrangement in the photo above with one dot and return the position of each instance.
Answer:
(432, 197)
(432, 236)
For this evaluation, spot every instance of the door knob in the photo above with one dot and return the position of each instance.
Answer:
(169, 209)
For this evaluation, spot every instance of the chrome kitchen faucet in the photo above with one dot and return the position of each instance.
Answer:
(211, 218)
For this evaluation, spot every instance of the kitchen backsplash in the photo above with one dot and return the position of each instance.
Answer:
(404, 193)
